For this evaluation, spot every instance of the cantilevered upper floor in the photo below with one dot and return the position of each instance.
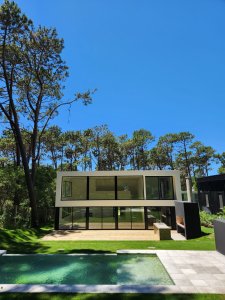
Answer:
(117, 188)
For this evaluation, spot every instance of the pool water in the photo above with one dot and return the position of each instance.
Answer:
(119, 269)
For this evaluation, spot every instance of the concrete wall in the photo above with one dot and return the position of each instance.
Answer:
(219, 229)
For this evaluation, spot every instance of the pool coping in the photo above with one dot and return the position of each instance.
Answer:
(185, 280)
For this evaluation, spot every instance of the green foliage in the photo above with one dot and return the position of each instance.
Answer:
(45, 186)
(14, 209)
(14, 203)
(207, 218)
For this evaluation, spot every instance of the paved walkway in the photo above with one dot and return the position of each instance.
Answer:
(106, 235)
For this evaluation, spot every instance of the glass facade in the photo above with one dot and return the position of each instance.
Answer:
(152, 188)
(130, 188)
(154, 215)
(138, 218)
(79, 218)
(114, 217)
(66, 218)
(95, 218)
(101, 188)
(74, 188)
(72, 218)
(108, 217)
(101, 218)
(131, 218)
(159, 188)
(166, 187)
(124, 218)
(117, 188)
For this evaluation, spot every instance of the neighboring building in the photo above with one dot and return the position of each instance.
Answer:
(116, 199)
(211, 191)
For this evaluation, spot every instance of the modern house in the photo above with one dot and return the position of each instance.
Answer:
(116, 199)
(211, 193)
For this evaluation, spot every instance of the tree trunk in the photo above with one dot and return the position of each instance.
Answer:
(28, 178)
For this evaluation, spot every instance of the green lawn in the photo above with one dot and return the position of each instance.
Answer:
(28, 241)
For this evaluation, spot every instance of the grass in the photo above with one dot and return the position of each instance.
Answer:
(28, 241)
(111, 296)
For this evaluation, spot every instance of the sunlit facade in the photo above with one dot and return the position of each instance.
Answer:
(116, 199)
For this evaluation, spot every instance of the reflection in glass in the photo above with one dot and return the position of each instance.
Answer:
(124, 218)
(153, 216)
(65, 217)
(74, 188)
(108, 218)
(95, 218)
(102, 188)
(79, 218)
(166, 187)
(152, 187)
(159, 187)
(138, 218)
(130, 188)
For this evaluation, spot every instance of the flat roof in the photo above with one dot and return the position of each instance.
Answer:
(212, 178)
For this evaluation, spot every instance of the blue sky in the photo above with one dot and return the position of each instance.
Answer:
(158, 65)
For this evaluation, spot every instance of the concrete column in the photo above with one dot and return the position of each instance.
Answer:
(189, 189)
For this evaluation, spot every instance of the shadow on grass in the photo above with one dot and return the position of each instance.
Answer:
(22, 241)
(203, 233)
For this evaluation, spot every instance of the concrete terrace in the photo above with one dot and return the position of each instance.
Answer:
(106, 235)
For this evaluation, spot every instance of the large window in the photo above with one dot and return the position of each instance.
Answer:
(131, 218)
(101, 218)
(124, 218)
(66, 218)
(95, 218)
(101, 188)
(130, 188)
(72, 218)
(159, 188)
(152, 188)
(74, 188)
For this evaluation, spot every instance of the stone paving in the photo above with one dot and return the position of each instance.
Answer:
(106, 235)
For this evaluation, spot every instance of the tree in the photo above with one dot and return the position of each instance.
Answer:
(221, 159)
(139, 149)
(166, 145)
(203, 156)
(73, 148)
(52, 140)
(86, 144)
(97, 145)
(123, 151)
(184, 154)
(32, 73)
(157, 158)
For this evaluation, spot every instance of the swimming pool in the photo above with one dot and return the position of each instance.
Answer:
(98, 269)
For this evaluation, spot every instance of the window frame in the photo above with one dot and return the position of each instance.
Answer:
(70, 198)
(159, 187)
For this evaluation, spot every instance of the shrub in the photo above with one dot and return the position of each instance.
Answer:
(207, 218)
